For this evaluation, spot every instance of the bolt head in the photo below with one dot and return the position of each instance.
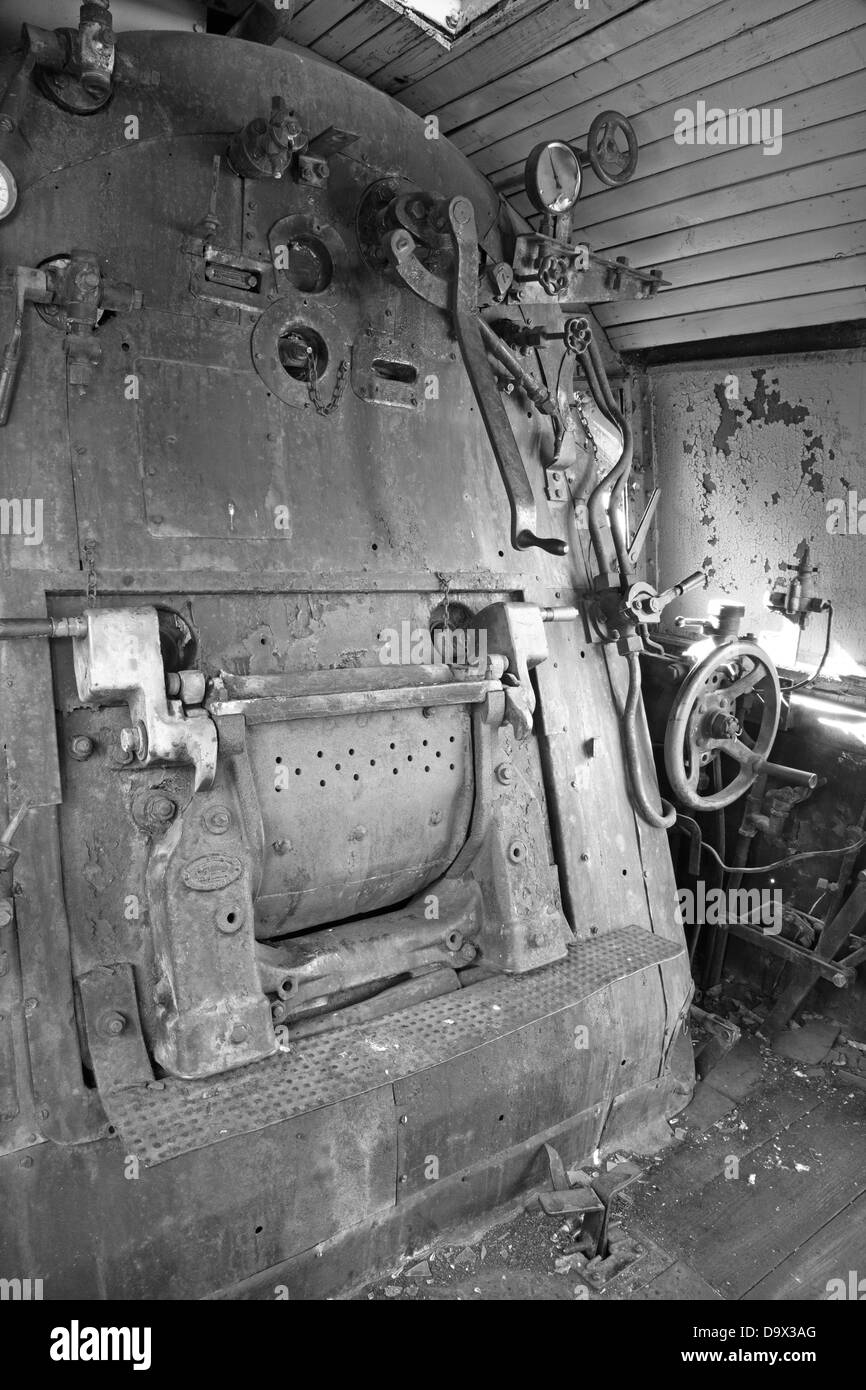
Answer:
(80, 747)
(112, 1024)
(505, 774)
(217, 820)
(161, 809)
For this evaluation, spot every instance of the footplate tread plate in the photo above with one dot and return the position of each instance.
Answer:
(175, 1117)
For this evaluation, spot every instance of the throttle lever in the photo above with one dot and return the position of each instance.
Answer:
(461, 216)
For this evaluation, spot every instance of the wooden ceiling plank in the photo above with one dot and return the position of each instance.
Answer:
(833, 172)
(732, 235)
(789, 82)
(388, 43)
(315, 20)
(832, 101)
(724, 183)
(798, 248)
(507, 49)
(367, 20)
(838, 306)
(765, 44)
(808, 278)
(423, 57)
(623, 49)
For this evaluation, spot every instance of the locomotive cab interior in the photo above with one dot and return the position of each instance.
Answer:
(430, 651)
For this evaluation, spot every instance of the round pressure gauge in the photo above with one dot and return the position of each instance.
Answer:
(8, 191)
(552, 177)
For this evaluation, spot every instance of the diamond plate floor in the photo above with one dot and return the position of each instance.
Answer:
(165, 1119)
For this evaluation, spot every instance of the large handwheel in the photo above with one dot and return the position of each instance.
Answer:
(610, 162)
(706, 724)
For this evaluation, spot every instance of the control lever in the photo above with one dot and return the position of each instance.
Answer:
(461, 216)
(648, 606)
(638, 540)
(8, 856)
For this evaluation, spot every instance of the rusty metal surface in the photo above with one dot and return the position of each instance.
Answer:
(158, 1124)
(189, 474)
(383, 811)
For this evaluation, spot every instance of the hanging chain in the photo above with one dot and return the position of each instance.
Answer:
(313, 388)
(578, 406)
(89, 549)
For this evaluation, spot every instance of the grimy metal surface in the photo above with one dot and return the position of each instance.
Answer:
(188, 465)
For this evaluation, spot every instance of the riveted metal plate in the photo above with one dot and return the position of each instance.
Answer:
(179, 1116)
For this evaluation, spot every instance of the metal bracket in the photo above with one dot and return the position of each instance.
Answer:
(119, 658)
(515, 631)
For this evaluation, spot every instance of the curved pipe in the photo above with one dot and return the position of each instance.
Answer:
(664, 819)
(597, 517)
(620, 473)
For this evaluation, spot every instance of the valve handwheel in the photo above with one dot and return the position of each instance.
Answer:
(706, 724)
(610, 162)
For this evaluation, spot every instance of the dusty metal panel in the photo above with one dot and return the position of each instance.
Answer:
(160, 1123)
(103, 1228)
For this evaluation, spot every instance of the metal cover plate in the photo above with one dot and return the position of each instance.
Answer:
(366, 810)
(184, 1115)
(213, 456)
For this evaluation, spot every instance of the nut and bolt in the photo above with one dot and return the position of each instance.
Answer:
(112, 1024)
(132, 740)
(725, 726)
(80, 747)
(160, 809)
(217, 819)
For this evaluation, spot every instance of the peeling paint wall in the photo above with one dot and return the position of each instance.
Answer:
(757, 458)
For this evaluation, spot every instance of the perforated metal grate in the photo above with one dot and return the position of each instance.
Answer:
(177, 1116)
(386, 801)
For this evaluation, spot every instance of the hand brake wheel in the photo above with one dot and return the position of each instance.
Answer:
(610, 163)
(706, 725)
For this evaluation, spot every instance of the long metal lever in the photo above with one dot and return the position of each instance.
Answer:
(638, 540)
(461, 216)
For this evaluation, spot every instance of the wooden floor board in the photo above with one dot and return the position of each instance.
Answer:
(831, 1253)
(742, 1231)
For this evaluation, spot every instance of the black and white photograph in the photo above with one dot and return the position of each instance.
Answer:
(432, 671)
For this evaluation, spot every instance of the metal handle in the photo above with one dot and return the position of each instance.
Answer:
(461, 215)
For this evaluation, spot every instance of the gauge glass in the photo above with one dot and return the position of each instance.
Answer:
(553, 177)
(8, 191)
